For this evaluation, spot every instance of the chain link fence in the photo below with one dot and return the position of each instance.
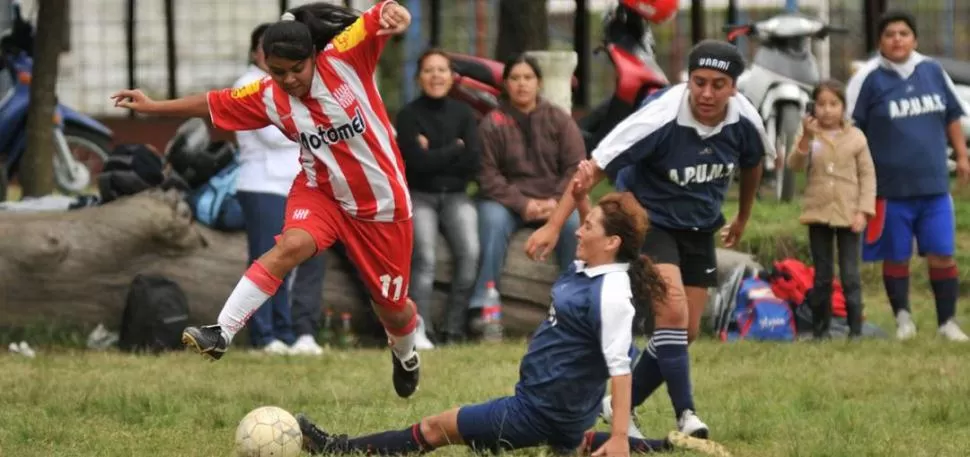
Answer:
(178, 47)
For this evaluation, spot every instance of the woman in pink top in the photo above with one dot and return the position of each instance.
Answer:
(321, 93)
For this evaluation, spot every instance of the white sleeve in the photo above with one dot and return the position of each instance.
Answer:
(644, 122)
(616, 322)
(854, 88)
(749, 112)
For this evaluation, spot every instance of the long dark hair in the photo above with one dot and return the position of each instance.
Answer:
(313, 26)
(624, 217)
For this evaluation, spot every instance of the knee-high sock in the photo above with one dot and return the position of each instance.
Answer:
(895, 278)
(674, 363)
(945, 285)
(647, 377)
(400, 442)
(594, 440)
(255, 287)
(402, 339)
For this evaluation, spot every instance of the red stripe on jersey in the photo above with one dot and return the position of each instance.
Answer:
(282, 101)
(399, 186)
(350, 166)
(375, 152)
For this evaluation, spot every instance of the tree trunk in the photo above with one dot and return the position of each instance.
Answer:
(522, 26)
(75, 267)
(37, 168)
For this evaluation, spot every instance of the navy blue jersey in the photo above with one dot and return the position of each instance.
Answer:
(680, 170)
(586, 340)
(904, 110)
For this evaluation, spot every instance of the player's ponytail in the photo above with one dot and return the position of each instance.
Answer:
(625, 218)
(305, 30)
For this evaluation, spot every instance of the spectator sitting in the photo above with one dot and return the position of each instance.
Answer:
(439, 142)
(269, 162)
(531, 149)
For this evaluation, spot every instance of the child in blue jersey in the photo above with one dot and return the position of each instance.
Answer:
(585, 341)
(908, 108)
(677, 154)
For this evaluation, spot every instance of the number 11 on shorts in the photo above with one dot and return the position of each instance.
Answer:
(386, 281)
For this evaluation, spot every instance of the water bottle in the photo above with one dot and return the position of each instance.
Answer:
(327, 331)
(492, 314)
(346, 334)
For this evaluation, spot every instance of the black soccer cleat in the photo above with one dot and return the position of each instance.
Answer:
(206, 340)
(406, 374)
(315, 440)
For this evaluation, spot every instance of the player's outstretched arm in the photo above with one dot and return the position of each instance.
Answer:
(543, 240)
(191, 106)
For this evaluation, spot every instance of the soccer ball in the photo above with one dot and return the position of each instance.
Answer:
(268, 431)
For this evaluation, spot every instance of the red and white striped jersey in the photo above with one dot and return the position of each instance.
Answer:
(348, 145)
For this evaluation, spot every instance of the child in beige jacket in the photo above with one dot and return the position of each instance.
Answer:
(839, 199)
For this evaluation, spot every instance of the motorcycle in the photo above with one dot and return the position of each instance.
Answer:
(628, 42)
(959, 72)
(779, 83)
(73, 131)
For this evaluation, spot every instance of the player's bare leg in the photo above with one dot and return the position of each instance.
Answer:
(401, 328)
(257, 285)
(696, 302)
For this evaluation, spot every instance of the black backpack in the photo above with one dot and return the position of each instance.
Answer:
(156, 312)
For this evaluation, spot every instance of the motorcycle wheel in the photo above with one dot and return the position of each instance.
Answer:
(789, 119)
(94, 149)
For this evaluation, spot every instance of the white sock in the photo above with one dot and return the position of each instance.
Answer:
(244, 300)
(403, 346)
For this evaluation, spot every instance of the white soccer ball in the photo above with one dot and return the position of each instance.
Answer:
(268, 431)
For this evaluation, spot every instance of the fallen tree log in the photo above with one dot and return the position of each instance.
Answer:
(76, 266)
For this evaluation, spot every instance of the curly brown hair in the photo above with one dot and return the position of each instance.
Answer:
(623, 216)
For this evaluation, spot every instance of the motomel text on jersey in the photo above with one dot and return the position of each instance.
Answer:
(326, 136)
(700, 174)
(915, 106)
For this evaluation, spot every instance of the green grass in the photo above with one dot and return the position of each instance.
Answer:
(874, 398)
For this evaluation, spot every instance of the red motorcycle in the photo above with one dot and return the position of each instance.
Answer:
(627, 40)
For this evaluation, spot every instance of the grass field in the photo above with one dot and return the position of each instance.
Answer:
(872, 398)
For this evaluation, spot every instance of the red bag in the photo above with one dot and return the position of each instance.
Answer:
(792, 280)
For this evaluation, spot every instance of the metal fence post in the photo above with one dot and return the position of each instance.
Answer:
(171, 55)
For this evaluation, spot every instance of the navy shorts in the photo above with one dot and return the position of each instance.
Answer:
(508, 423)
(889, 235)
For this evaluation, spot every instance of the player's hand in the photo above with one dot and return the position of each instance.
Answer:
(132, 99)
(541, 242)
(423, 142)
(394, 19)
(859, 223)
(615, 446)
(731, 233)
(583, 179)
(963, 171)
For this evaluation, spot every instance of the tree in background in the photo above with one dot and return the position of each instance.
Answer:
(522, 26)
(37, 167)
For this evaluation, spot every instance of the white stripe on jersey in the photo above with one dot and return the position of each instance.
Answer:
(271, 111)
(349, 75)
(359, 149)
(304, 123)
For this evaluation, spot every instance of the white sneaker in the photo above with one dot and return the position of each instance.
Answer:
(691, 425)
(276, 347)
(607, 414)
(306, 345)
(951, 331)
(905, 328)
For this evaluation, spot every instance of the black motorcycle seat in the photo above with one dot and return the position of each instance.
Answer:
(958, 70)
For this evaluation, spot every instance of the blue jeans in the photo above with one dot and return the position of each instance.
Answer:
(264, 215)
(455, 216)
(496, 225)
